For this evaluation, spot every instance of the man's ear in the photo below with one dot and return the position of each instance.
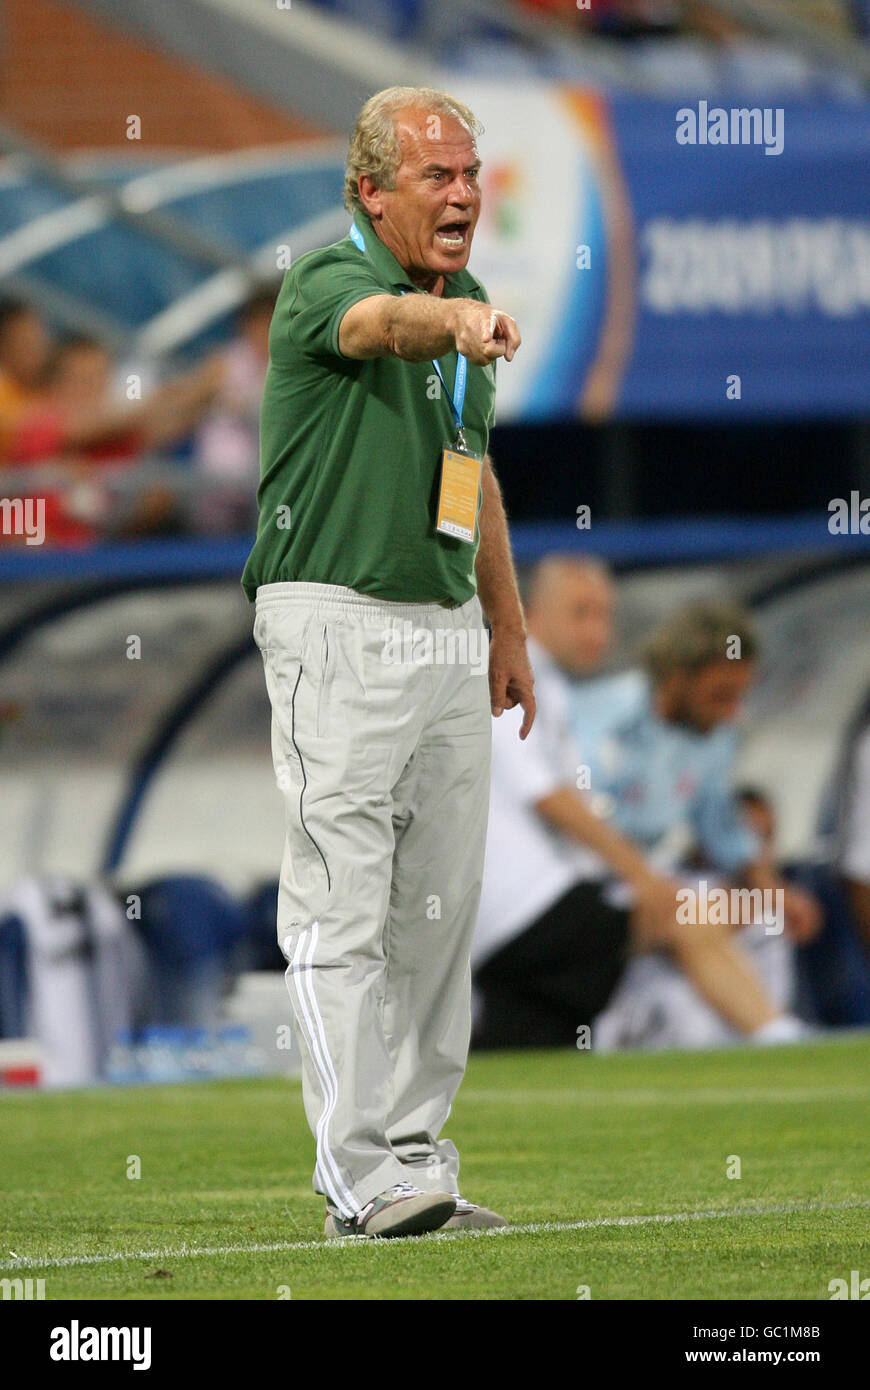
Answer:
(370, 196)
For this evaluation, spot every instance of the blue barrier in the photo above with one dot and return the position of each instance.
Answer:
(677, 540)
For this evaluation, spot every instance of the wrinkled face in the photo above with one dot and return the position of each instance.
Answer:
(710, 696)
(428, 219)
(24, 347)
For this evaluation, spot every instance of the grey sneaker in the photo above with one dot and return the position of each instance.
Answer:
(468, 1216)
(402, 1210)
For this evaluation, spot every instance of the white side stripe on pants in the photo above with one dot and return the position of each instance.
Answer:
(325, 1154)
(300, 973)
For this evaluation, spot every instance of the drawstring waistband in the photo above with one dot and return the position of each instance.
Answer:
(336, 598)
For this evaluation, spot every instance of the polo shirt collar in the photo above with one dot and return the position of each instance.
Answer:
(388, 267)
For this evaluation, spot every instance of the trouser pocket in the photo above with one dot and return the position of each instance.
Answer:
(260, 631)
(323, 660)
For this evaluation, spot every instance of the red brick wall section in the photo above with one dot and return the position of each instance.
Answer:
(71, 82)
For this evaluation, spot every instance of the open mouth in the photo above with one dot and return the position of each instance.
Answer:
(452, 235)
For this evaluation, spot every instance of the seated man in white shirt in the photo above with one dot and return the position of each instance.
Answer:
(554, 929)
(549, 948)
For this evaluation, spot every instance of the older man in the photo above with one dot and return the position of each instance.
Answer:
(380, 523)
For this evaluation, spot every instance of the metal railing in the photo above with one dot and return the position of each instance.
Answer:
(229, 275)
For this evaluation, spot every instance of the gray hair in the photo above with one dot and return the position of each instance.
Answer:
(374, 144)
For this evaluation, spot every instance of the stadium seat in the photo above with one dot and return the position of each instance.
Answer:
(260, 948)
(190, 926)
(13, 977)
(833, 976)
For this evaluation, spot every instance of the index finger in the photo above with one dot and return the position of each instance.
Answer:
(511, 335)
(530, 709)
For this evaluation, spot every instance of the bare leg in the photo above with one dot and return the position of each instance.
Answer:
(720, 973)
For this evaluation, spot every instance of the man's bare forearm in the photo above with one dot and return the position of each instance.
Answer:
(496, 577)
(570, 813)
(420, 327)
(415, 327)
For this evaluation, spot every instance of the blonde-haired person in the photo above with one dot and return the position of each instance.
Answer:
(662, 744)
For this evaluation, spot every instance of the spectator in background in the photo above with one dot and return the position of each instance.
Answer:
(76, 415)
(549, 945)
(74, 412)
(661, 747)
(615, 16)
(636, 18)
(555, 928)
(76, 421)
(226, 449)
(24, 351)
(833, 978)
(756, 808)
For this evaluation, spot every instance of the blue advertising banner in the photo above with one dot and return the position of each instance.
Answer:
(663, 261)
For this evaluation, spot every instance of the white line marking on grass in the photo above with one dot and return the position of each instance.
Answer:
(531, 1228)
(709, 1096)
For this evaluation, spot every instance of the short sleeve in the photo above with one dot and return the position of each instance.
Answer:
(314, 300)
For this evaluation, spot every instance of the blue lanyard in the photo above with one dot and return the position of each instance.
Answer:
(456, 400)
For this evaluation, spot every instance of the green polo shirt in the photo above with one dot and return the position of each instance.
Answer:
(350, 452)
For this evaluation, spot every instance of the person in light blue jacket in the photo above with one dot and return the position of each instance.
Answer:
(666, 784)
(574, 903)
(660, 746)
(660, 743)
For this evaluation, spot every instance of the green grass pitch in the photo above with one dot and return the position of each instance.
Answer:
(577, 1151)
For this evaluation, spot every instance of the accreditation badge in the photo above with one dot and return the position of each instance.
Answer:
(459, 495)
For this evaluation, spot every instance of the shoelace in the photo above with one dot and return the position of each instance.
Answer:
(405, 1189)
(462, 1204)
(398, 1190)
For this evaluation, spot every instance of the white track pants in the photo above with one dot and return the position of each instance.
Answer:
(381, 736)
